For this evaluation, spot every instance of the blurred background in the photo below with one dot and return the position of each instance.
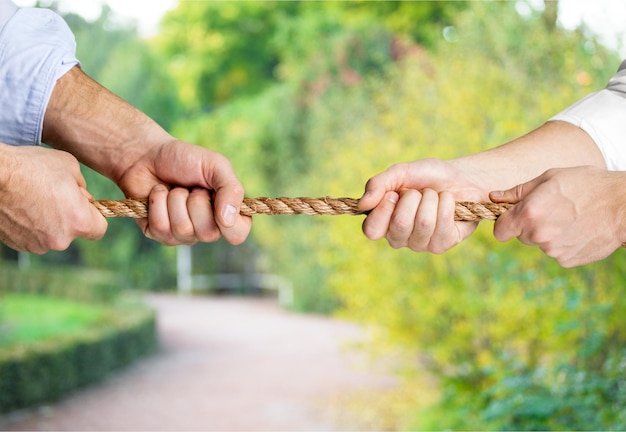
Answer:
(312, 99)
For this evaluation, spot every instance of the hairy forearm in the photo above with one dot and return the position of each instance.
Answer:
(553, 145)
(100, 129)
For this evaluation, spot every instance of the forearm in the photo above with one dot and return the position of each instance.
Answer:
(100, 129)
(590, 132)
(555, 144)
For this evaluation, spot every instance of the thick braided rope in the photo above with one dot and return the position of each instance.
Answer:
(138, 208)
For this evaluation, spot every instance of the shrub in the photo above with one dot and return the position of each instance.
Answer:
(45, 370)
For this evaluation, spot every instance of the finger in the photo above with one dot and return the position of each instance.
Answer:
(98, 223)
(516, 193)
(238, 233)
(403, 218)
(83, 220)
(180, 220)
(376, 225)
(390, 180)
(508, 225)
(157, 225)
(229, 194)
(201, 214)
(73, 166)
(448, 232)
(425, 221)
(234, 232)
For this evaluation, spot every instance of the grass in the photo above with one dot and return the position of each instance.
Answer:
(26, 318)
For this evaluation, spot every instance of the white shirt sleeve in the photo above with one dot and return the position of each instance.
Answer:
(36, 49)
(602, 115)
(7, 10)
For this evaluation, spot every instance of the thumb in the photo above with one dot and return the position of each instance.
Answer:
(513, 195)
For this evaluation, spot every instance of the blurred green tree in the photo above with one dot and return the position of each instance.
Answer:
(486, 319)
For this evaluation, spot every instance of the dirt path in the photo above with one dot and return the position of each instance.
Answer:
(225, 364)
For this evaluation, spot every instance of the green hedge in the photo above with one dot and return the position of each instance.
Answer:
(44, 371)
(79, 284)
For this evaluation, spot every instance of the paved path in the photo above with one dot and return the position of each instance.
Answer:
(225, 364)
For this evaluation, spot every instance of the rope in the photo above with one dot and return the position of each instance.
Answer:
(138, 208)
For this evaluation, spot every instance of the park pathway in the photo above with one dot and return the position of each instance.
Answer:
(225, 364)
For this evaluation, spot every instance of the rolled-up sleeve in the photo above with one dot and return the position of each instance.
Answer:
(36, 49)
(602, 115)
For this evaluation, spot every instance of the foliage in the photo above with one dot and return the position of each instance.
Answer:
(220, 50)
(515, 341)
(111, 52)
(61, 329)
(211, 53)
(420, 22)
(28, 318)
(313, 99)
(80, 285)
(47, 369)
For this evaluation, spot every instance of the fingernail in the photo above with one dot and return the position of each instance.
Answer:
(392, 197)
(159, 188)
(497, 193)
(229, 215)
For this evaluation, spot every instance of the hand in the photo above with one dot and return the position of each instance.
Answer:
(573, 214)
(412, 205)
(44, 203)
(179, 215)
(122, 143)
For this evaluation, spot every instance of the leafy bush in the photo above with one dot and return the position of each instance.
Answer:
(79, 284)
(28, 317)
(515, 341)
(46, 363)
(46, 370)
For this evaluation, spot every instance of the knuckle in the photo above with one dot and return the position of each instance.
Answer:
(437, 251)
(158, 227)
(37, 248)
(423, 222)
(438, 248)
(416, 246)
(370, 231)
(237, 239)
(402, 223)
(531, 214)
(57, 243)
(396, 245)
(165, 240)
(394, 242)
(210, 237)
(183, 231)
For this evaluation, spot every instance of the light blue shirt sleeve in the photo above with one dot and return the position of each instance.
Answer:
(36, 49)
(7, 10)
(603, 116)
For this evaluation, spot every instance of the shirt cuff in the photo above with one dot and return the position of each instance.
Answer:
(602, 115)
(617, 84)
(36, 49)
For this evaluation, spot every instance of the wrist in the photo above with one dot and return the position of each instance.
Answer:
(7, 161)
